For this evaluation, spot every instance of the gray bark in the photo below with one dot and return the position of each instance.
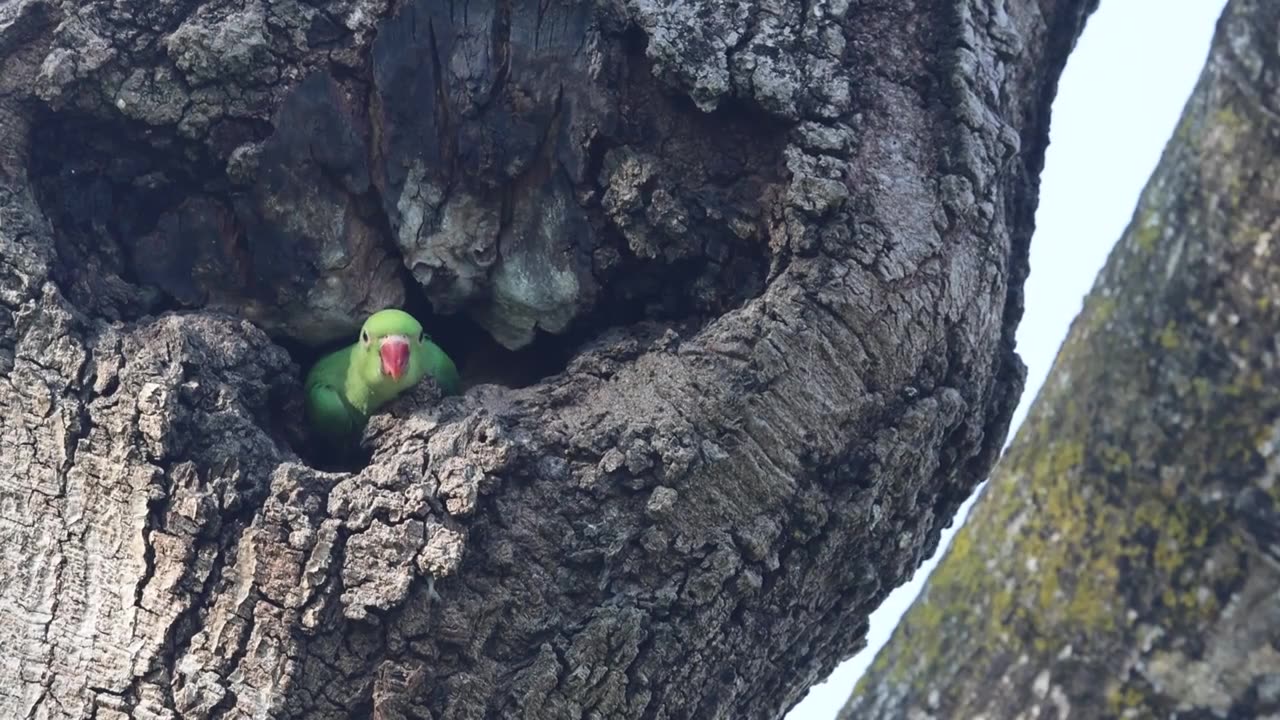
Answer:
(1124, 561)
(761, 261)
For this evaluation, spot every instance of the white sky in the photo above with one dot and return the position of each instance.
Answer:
(1120, 98)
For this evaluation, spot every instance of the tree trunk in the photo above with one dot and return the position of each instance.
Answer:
(748, 275)
(1124, 560)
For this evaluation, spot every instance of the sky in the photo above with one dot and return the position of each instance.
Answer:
(1119, 100)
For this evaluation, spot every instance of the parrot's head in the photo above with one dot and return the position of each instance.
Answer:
(389, 340)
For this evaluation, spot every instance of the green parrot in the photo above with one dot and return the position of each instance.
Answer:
(346, 386)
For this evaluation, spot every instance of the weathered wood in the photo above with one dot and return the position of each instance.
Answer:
(1124, 561)
(806, 223)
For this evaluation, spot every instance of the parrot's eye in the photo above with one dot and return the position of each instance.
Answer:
(364, 336)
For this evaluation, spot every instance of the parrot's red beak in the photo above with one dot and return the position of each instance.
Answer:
(394, 350)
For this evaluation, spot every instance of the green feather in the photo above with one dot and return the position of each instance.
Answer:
(346, 386)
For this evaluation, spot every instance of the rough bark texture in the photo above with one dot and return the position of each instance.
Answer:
(1124, 561)
(806, 224)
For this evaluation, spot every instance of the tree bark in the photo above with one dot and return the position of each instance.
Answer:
(1124, 560)
(765, 257)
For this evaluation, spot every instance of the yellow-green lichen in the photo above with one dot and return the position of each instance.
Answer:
(1147, 233)
(1227, 126)
(1123, 697)
(1098, 310)
(1056, 580)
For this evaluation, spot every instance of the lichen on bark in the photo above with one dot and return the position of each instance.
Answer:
(1122, 561)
